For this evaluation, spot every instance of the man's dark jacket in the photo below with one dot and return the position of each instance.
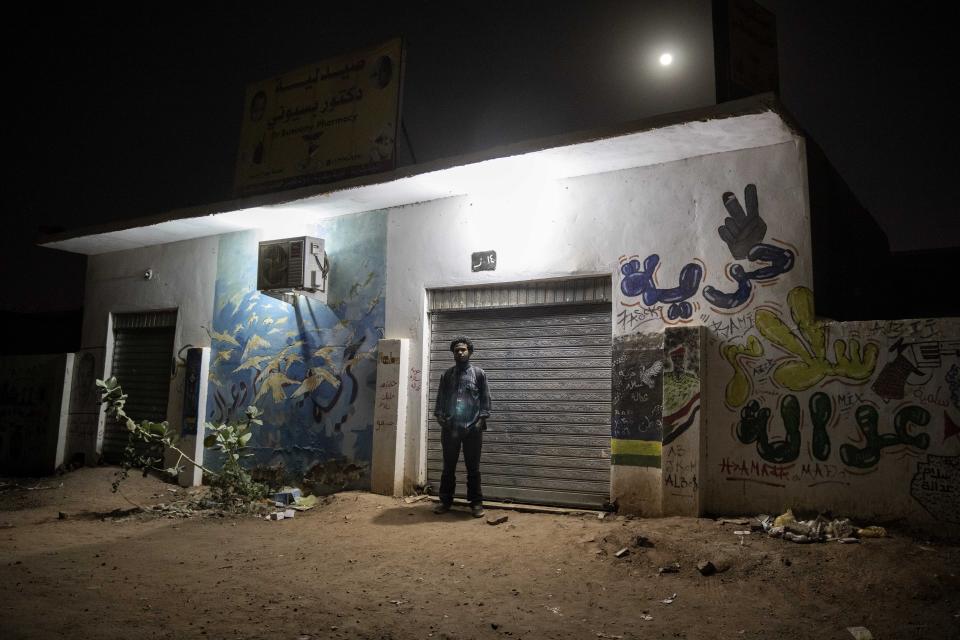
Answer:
(463, 398)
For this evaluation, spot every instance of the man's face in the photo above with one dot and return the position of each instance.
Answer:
(460, 352)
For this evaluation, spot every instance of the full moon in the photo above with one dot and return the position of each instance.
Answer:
(666, 59)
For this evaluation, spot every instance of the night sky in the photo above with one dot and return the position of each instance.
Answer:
(119, 115)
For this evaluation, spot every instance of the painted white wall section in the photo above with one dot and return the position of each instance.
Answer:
(389, 417)
(598, 224)
(193, 429)
(63, 424)
(182, 278)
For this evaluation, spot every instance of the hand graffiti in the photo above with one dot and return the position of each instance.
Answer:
(738, 389)
(638, 281)
(780, 261)
(808, 363)
(742, 230)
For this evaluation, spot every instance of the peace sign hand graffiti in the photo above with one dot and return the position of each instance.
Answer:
(742, 230)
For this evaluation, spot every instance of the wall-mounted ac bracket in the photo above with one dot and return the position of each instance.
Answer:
(293, 267)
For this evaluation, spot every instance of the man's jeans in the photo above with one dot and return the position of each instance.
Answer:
(471, 441)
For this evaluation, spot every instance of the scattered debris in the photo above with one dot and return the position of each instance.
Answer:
(706, 568)
(604, 635)
(287, 495)
(799, 538)
(670, 568)
(848, 540)
(496, 521)
(742, 533)
(602, 515)
(784, 518)
(419, 498)
(820, 529)
(12, 485)
(669, 600)
(304, 503)
(586, 539)
(623, 552)
(646, 616)
(860, 633)
(642, 541)
(740, 521)
(555, 610)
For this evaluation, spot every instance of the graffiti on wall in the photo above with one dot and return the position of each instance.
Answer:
(31, 389)
(681, 411)
(636, 397)
(308, 366)
(936, 486)
(744, 233)
(681, 383)
(819, 403)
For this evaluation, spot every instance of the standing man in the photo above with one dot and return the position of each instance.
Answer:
(462, 409)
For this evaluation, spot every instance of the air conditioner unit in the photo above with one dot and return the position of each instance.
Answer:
(293, 266)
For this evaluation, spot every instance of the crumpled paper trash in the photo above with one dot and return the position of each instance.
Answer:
(819, 529)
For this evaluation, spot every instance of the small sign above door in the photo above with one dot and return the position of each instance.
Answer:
(483, 261)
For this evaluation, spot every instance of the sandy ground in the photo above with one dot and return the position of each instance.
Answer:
(368, 566)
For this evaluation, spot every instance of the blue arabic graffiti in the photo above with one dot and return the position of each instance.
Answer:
(638, 281)
(780, 261)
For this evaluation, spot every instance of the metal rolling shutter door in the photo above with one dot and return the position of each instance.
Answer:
(142, 352)
(548, 368)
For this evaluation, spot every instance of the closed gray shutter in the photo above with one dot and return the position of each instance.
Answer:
(548, 368)
(142, 357)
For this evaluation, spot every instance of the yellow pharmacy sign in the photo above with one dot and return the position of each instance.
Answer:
(324, 122)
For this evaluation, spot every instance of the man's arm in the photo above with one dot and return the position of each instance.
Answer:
(485, 403)
(441, 403)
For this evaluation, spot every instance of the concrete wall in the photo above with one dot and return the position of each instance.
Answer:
(309, 367)
(34, 399)
(182, 278)
(859, 418)
(654, 229)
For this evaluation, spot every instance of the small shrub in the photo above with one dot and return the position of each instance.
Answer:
(234, 486)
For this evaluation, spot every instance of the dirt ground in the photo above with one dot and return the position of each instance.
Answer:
(368, 566)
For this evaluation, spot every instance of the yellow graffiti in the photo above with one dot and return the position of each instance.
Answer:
(738, 389)
(808, 364)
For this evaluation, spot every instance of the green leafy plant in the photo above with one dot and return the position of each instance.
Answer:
(155, 436)
(234, 483)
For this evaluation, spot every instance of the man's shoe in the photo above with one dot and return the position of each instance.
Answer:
(442, 507)
(477, 510)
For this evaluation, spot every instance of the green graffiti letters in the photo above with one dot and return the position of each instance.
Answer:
(867, 420)
(821, 410)
(809, 364)
(754, 421)
(753, 428)
(738, 389)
